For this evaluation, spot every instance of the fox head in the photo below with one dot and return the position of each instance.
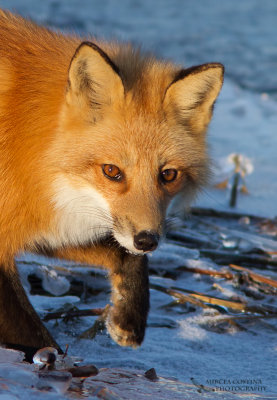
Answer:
(131, 136)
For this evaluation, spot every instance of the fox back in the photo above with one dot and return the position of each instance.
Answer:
(96, 139)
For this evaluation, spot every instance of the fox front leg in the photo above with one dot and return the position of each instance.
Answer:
(20, 326)
(128, 273)
(127, 318)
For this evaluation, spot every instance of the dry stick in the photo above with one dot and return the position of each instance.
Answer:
(73, 313)
(199, 299)
(205, 301)
(234, 190)
(235, 305)
(255, 277)
(182, 298)
(226, 275)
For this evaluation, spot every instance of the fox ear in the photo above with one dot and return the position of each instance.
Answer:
(191, 95)
(93, 79)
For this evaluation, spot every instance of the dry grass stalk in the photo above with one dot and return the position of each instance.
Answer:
(182, 298)
(226, 275)
(235, 305)
(204, 301)
(255, 277)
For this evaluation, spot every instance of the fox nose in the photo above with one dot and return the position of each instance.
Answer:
(146, 240)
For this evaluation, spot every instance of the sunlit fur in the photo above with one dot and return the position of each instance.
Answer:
(64, 113)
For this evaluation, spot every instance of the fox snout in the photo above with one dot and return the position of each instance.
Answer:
(139, 233)
(146, 241)
(137, 240)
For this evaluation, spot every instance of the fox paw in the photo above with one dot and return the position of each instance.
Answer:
(124, 329)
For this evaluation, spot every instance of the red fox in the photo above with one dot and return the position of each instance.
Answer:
(96, 139)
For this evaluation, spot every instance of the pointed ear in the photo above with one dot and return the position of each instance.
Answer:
(93, 79)
(190, 97)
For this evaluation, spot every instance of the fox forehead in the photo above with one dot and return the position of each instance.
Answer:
(142, 140)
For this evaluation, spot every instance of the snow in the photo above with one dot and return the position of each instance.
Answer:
(242, 35)
(245, 123)
(178, 343)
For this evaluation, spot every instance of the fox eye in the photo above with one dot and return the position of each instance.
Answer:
(168, 175)
(112, 172)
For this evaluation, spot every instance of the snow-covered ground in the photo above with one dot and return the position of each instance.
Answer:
(242, 35)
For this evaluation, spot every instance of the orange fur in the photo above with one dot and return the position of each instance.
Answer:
(66, 109)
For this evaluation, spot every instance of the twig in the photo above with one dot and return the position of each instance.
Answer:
(235, 305)
(73, 313)
(199, 299)
(182, 298)
(226, 275)
(255, 277)
(234, 190)
(203, 300)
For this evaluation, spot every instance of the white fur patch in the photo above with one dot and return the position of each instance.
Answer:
(82, 214)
